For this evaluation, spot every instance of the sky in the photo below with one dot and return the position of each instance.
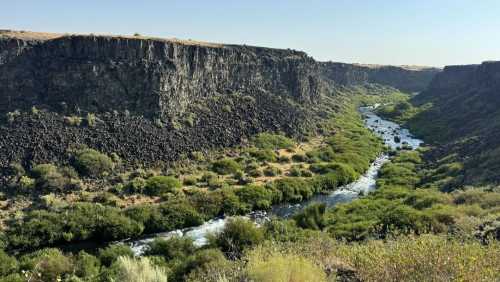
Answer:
(396, 32)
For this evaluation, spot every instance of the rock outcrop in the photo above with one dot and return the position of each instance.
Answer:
(150, 77)
(405, 78)
(156, 99)
(462, 118)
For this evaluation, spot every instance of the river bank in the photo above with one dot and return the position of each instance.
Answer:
(393, 135)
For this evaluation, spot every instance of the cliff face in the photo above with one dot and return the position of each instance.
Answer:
(463, 117)
(144, 76)
(155, 99)
(403, 78)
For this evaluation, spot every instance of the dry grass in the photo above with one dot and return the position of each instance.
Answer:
(30, 35)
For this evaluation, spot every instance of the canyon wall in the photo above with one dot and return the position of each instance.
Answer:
(151, 77)
(155, 100)
(408, 79)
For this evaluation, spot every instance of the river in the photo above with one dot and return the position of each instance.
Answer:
(393, 135)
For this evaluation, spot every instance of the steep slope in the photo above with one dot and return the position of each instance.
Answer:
(463, 117)
(405, 78)
(151, 100)
(142, 75)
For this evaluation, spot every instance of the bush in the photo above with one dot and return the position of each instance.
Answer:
(91, 119)
(255, 173)
(134, 270)
(190, 180)
(73, 120)
(265, 155)
(136, 185)
(8, 264)
(345, 174)
(47, 264)
(90, 162)
(283, 159)
(168, 216)
(78, 222)
(300, 158)
(272, 141)
(422, 258)
(256, 197)
(172, 248)
(226, 166)
(159, 185)
(312, 217)
(49, 178)
(11, 116)
(237, 235)
(272, 171)
(269, 266)
(207, 203)
(110, 254)
(87, 266)
(293, 189)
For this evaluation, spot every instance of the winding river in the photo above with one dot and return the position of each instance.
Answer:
(393, 135)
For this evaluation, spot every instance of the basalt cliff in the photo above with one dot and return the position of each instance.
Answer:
(462, 118)
(151, 100)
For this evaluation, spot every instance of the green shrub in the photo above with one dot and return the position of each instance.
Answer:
(110, 254)
(87, 266)
(170, 215)
(136, 185)
(255, 173)
(172, 248)
(226, 166)
(263, 155)
(209, 204)
(237, 235)
(47, 264)
(26, 183)
(300, 158)
(272, 141)
(70, 224)
(312, 217)
(293, 189)
(190, 180)
(272, 171)
(257, 197)
(90, 162)
(159, 185)
(284, 159)
(8, 264)
(345, 174)
(49, 178)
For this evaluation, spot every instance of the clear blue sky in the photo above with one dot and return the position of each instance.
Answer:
(422, 32)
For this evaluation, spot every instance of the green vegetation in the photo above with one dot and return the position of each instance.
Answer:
(159, 185)
(134, 270)
(91, 163)
(226, 166)
(420, 224)
(272, 141)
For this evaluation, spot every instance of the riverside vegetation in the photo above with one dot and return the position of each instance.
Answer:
(419, 225)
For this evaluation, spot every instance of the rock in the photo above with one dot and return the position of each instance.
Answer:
(397, 139)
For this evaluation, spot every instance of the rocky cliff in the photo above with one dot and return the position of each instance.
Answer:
(152, 100)
(142, 75)
(405, 78)
(462, 117)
